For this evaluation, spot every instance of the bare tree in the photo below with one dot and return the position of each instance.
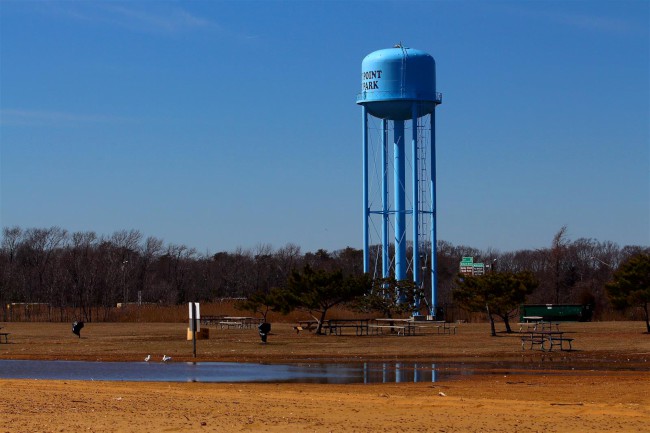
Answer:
(149, 253)
(40, 247)
(558, 250)
(9, 276)
(82, 272)
(177, 263)
(288, 259)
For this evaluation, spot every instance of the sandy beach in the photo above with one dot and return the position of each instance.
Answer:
(601, 386)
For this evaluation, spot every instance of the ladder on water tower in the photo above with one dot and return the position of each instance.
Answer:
(423, 186)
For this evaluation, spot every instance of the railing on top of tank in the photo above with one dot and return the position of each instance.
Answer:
(377, 94)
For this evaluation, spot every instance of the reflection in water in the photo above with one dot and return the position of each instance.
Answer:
(398, 372)
(220, 372)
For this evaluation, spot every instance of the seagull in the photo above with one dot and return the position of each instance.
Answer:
(166, 358)
(147, 358)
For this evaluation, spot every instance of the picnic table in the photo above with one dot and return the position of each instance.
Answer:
(308, 325)
(239, 322)
(336, 326)
(211, 320)
(539, 325)
(441, 326)
(545, 339)
(398, 326)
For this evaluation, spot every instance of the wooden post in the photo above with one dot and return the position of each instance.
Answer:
(194, 324)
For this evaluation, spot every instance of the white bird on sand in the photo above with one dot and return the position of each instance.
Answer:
(166, 358)
(147, 358)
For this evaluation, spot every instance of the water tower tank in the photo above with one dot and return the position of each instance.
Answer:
(391, 79)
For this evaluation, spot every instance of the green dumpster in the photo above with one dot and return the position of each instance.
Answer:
(557, 312)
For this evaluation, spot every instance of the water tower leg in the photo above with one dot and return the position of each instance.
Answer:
(385, 241)
(400, 220)
(434, 239)
(364, 126)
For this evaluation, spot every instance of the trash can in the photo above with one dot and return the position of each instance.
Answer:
(264, 330)
(76, 328)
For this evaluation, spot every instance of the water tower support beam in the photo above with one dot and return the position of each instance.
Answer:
(385, 241)
(366, 211)
(434, 239)
(400, 211)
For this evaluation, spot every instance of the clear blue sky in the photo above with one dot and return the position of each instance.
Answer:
(221, 124)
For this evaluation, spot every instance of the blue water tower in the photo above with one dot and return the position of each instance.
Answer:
(399, 84)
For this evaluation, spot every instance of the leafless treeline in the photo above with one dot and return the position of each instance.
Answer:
(92, 274)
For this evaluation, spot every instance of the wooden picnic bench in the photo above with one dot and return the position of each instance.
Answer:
(244, 322)
(440, 326)
(308, 325)
(229, 325)
(238, 322)
(546, 340)
(401, 326)
(379, 329)
(211, 320)
(558, 341)
(532, 340)
(446, 328)
(538, 326)
(6, 337)
(336, 326)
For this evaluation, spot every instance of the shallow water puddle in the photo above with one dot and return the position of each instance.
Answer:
(339, 373)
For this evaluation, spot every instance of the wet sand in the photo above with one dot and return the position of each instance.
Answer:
(607, 390)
